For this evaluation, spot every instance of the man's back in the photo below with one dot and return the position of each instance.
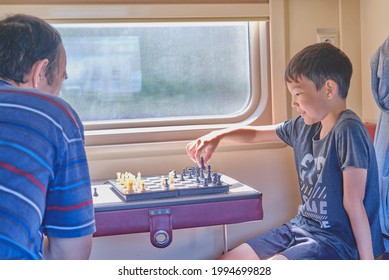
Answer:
(44, 178)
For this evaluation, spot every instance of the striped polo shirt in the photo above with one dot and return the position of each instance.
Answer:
(44, 176)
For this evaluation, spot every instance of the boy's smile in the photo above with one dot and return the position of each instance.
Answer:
(312, 104)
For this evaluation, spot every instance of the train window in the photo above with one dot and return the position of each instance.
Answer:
(136, 75)
(152, 72)
(137, 71)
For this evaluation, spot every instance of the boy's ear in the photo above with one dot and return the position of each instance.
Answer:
(331, 88)
(38, 72)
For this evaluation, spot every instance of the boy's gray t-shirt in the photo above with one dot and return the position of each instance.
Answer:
(320, 164)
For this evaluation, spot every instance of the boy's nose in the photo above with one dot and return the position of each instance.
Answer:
(293, 102)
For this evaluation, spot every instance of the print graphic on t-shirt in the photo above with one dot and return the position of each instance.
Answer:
(313, 192)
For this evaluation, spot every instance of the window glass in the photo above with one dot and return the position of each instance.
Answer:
(132, 71)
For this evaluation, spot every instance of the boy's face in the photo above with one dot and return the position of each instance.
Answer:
(309, 102)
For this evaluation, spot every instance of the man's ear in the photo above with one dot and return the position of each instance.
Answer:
(331, 88)
(38, 72)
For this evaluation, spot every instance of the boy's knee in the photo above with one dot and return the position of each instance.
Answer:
(242, 252)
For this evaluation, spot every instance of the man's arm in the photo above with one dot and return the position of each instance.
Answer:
(354, 185)
(79, 248)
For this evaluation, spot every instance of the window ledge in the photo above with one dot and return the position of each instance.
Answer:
(165, 149)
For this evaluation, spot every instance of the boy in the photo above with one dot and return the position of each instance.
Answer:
(336, 165)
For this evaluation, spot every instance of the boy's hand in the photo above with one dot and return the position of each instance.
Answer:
(208, 144)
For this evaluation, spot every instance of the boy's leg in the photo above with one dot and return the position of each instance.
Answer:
(285, 242)
(242, 252)
(264, 246)
(279, 257)
(305, 246)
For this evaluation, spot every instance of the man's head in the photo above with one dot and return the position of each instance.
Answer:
(31, 54)
(319, 63)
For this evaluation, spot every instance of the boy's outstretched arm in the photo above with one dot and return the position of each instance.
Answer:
(248, 134)
(354, 185)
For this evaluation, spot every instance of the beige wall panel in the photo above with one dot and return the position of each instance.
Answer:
(304, 18)
(350, 43)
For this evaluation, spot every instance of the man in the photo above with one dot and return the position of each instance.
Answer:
(46, 209)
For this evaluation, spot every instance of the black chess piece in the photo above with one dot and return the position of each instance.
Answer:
(209, 177)
(202, 163)
(219, 182)
(214, 176)
(167, 183)
(201, 173)
(95, 192)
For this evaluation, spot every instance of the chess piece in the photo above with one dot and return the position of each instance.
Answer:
(167, 183)
(219, 182)
(214, 176)
(202, 163)
(209, 178)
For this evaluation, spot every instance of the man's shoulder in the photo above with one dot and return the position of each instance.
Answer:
(52, 107)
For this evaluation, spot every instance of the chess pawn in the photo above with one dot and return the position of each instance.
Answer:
(142, 186)
(128, 186)
(118, 176)
(214, 176)
(167, 183)
(171, 177)
(219, 182)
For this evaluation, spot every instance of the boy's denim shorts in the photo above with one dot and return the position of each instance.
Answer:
(292, 242)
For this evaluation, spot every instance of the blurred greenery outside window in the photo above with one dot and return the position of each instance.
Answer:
(133, 71)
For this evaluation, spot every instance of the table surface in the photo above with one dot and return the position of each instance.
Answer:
(108, 200)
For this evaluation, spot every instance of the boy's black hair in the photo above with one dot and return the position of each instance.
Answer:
(321, 62)
(25, 40)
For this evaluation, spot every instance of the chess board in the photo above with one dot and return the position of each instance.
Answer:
(181, 185)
